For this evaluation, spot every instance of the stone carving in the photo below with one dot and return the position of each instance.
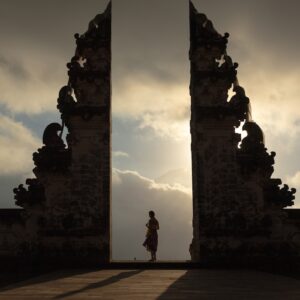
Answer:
(35, 194)
(65, 101)
(240, 104)
(53, 156)
(253, 155)
(279, 196)
(51, 138)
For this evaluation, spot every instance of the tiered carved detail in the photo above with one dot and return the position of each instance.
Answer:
(237, 206)
(253, 155)
(34, 194)
(278, 196)
(53, 156)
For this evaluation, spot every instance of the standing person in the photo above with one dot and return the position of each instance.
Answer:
(151, 240)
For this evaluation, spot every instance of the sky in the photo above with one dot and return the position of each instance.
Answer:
(150, 98)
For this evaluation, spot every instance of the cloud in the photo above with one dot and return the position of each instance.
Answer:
(133, 196)
(161, 106)
(28, 84)
(120, 154)
(17, 144)
(294, 180)
(182, 176)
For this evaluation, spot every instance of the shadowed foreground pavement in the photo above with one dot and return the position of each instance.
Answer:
(155, 284)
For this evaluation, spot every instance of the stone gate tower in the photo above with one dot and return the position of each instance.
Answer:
(238, 213)
(66, 212)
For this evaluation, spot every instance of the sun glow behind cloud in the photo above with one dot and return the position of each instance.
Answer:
(161, 106)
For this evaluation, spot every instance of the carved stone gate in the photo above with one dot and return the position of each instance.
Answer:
(238, 210)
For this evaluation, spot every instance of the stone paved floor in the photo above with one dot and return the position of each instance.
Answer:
(156, 284)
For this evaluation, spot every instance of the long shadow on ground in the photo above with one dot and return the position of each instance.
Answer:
(233, 285)
(99, 284)
(13, 279)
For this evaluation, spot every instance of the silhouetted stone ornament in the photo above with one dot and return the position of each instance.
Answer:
(34, 194)
(51, 137)
(252, 154)
(53, 156)
(239, 103)
(65, 101)
(254, 138)
(279, 196)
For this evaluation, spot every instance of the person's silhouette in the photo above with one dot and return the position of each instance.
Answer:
(151, 240)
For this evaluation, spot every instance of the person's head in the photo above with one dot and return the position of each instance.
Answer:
(151, 214)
